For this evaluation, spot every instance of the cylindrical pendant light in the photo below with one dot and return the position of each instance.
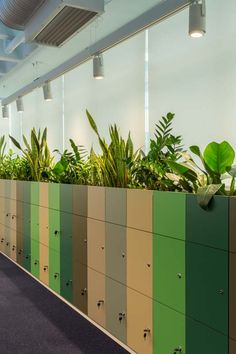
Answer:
(98, 67)
(47, 91)
(19, 104)
(197, 19)
(5, 111)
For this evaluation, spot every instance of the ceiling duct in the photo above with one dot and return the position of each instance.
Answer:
(17, 13)
(58, 20)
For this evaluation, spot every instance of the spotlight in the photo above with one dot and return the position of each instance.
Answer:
(19, 104)
(47, 91)
(5, 111)
(98, 67)
(197, 19)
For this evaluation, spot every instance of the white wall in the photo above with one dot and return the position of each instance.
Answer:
(194, 78)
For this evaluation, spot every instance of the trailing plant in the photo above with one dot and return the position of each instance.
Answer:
(152, 170)
(117, 160)
(36, 155)
(208, 179)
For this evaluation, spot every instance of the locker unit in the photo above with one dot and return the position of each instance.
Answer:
(153, 268)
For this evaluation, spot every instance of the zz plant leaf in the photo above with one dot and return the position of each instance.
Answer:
(219, 157)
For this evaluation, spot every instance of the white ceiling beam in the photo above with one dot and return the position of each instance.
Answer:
(13, 57)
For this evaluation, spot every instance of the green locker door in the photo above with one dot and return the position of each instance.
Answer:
(201, 339)
(35, 266)
(54, 229)
(66, 255)
(168, 331)
(54, 270)
(26, 237)
(208, 227)
(116, 309)
(169, 272)
(207, 286)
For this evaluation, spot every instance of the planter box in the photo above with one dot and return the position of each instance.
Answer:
(153, 268)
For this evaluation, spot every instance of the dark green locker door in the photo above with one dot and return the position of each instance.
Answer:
(66, 255)
(54, 270)
(19, 234)
(116, 309)
(168, 331)
(208, 227)
(207, 286)
(169, 272)
(201, 339)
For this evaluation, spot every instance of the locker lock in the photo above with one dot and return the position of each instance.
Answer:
(221, 292)
(178, 350)
(100, 303)
(20, 251)
(27, 257)
(7, 214)
(2, 239)
(146, 331)
(7, 243)
(69, 282)
(56, 232)
(13, 217)
(13, 248)
(83, 291)
(56, 275)
(179, 275)
(121, 316)
(36, 262)
(123, 255)
(45, 268)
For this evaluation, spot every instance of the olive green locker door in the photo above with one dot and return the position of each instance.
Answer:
(80, 287)
(116, 309)
(19, 234)
(139, 322)
(207, 286)
(79, 239)
(96, 297)
(26, 236)
(169, 331)
(66, 256)
(35, 256)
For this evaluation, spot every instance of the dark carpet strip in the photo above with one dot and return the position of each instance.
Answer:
(34, 321)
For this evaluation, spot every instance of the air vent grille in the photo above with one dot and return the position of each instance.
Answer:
(66, 23)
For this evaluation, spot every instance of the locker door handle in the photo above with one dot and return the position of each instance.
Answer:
(2, 240)
(36, 262)
(56, 275)
(13, 248)
(83, 291)
(178, 350)
(146, 331)
(56, 232)
(121, 316)
(7, 243)
(100, 303)
(45, 268)
(69, 282)
(20, 251)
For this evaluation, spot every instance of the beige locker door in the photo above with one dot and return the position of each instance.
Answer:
(96, 245)
(139, 322)
(139, 261)
(96, 297)
(43, 226)
(44, 263)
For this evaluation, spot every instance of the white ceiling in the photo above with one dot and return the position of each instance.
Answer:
(44, 59)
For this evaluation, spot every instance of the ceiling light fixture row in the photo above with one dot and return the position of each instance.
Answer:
(47, 94)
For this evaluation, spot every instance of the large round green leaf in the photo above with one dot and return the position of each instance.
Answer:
(219, 156)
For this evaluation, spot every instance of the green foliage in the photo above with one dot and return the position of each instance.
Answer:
(72, 167)
(36, 155)
(152, 170)
(118, 157)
